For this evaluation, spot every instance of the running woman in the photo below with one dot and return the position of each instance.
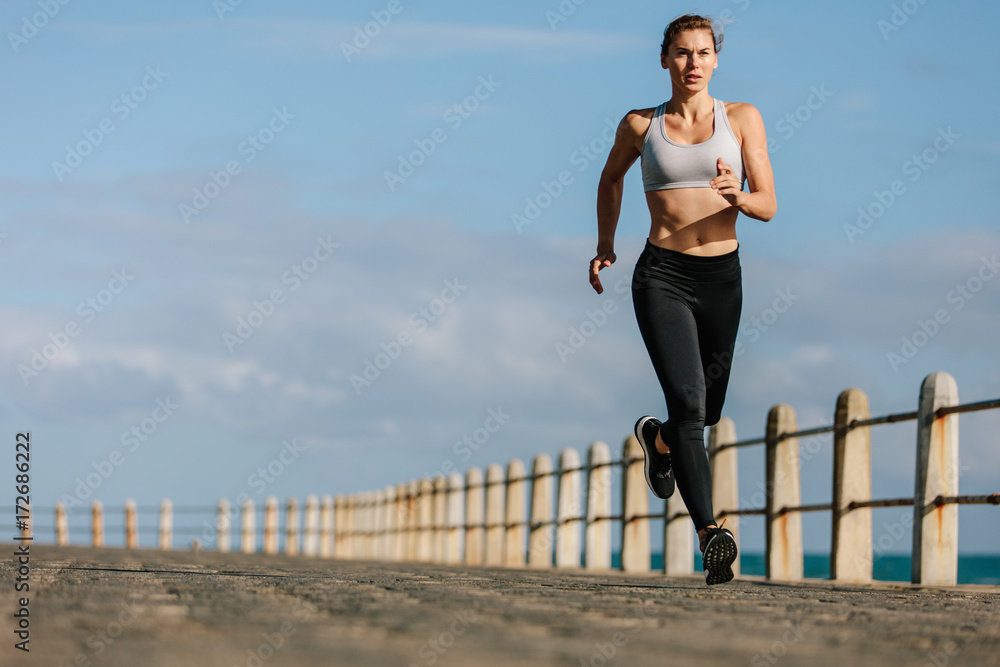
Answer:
(696, 152)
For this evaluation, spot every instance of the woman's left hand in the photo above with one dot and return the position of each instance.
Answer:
(727, 185)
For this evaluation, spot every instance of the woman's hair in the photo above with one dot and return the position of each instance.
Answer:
(691, 22)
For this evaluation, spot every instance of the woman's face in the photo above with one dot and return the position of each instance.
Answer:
(691, 59)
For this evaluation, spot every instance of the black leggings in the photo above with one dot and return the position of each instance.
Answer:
(688, 310)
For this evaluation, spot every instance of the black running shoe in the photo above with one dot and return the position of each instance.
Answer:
(718, 555)
(659, 475)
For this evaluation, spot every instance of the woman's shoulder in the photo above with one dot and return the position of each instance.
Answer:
(643, 113)
(744, 118)
(741, 111)
(638, 120)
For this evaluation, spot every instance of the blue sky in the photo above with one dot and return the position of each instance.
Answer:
(187, 168)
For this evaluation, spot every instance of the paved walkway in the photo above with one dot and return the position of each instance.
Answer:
(112, 607)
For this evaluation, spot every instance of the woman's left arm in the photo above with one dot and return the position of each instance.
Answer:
(759, 201)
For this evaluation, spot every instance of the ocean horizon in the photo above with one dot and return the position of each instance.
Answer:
(981, 569)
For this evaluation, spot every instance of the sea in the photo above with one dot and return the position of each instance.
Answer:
(972, 569)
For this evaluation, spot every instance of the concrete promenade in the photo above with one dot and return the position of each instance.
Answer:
(113, 607)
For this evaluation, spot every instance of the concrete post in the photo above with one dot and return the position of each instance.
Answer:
(475, 533)
(635, 503)
(515, 537)
(678, 531)
(350, 517)
(248, 527)
(540, 540)
(388, 524)
(725, 477)
(455, 519)
(440, 517)
(97, 523)
(223, 527)
(347, 532)
(364, 520)
(376, 523)
(292, 527)
(359, 524)
(935, 527)
(271, 525)
(851, 540)
(495, 520)
(166, 524)
(425, 517)
(310, 527)
(402, 525)
(568, 510)
(339, 520)
(597, 533)
(131, 526)
(62, 526)
(412, 520)
(783, 558)
(326, 525)
(364, 524)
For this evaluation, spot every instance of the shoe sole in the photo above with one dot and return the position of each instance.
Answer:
(645, 450)
(719, 556)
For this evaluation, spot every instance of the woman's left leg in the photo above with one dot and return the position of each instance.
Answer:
(717, 307)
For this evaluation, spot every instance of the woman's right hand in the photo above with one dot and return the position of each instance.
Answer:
(602, 261)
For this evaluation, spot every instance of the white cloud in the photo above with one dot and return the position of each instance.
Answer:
(494, 345)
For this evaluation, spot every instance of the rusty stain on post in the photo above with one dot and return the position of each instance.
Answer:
(935, 538)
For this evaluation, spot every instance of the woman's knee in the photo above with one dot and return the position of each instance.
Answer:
(687, 405)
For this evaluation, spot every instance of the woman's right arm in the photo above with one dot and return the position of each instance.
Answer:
(623, 155)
